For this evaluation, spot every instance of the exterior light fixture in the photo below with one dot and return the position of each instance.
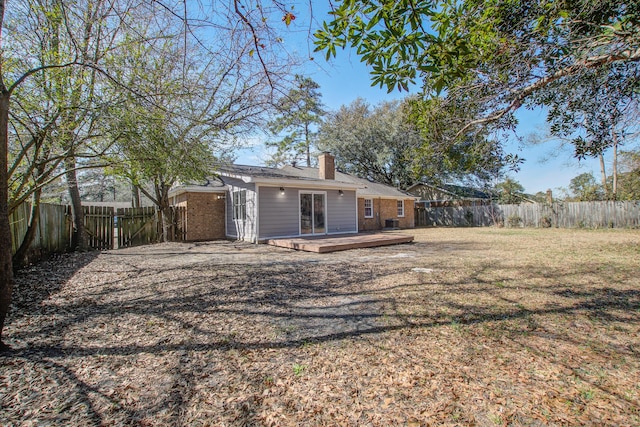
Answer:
(221, 196)
(281, 190)
(341, 193)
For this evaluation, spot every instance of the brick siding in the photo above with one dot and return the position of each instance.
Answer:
(205, 215)
(384, 209)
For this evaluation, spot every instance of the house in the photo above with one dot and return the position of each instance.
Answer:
(447, 195)
(254, 203)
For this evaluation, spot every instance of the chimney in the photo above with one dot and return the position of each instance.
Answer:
(326, 166)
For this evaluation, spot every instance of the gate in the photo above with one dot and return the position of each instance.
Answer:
(109, 228)
(98, 224)
(179, 223)
(136, 226)
(421, 216)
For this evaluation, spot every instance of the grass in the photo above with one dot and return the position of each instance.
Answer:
(298, 369)
(510, 327)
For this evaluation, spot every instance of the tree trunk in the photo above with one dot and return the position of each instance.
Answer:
(603, 177)
(308, 144)
(166, 214)
(167, 224)
(135, 196)
(20, 257)
(614, 166)
(79, 239)
(6, 267)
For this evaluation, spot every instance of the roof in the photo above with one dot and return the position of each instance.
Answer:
(456, 191)
(254, 171)
(209, 185)
(282, 177)
(308, 175)
(366, 187)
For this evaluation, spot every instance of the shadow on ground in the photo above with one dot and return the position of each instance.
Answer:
(193, 323)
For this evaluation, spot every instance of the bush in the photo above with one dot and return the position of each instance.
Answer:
(468, 217)
(514, 221)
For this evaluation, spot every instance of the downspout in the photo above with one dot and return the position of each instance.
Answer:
(257, 213)
(227, 196)
(357, 216)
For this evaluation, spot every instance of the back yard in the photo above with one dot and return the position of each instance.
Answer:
(479, 326)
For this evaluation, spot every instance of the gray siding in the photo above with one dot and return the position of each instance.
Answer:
(342, 211)
(237, 229)
(280, 215)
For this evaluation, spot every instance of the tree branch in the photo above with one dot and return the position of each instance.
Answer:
(248, 23)
(522, 94)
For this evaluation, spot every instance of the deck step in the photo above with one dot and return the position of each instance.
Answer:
(341, 243)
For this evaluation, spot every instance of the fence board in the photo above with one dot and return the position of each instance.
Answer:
(137, 226)
(605, 214)
(52, 235)
(18, 221)
(54, 228)
(98, 223)
(180, 223)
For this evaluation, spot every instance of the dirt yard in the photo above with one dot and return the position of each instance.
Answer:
(484, 327)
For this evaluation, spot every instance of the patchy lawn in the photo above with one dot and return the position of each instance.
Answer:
(463, 327)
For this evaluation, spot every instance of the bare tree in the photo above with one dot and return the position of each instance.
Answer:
(195, 107)
(73, 56)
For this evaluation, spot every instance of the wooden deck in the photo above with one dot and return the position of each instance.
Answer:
(324, 244)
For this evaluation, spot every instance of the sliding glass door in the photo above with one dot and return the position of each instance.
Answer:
(313, 213)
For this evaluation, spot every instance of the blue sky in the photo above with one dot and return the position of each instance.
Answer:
(547, 165)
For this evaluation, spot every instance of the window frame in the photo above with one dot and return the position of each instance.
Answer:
(400, 208)
(239, 205)
(370, 208)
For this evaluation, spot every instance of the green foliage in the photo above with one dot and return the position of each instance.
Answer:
(509, 192)
(187, 109)
(445, 154)
(585, 188)
(300, 112)
(503, 54)
(399, 143)
(629, 177)
(399, 40)
(444, 42)
(298, 369)
(375, 143)
(158, 142)
(151, 152)
(55, 113)
(514, 221)
(594, 110)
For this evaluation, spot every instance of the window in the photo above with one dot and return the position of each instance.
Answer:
(240, 205)
(368, 208)
(400, 208)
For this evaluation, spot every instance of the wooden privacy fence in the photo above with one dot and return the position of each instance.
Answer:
(53, 233)
(136, 226)
(106, 228)
(560, 214)
(457, 216)
(98, 224)
(179, 232)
